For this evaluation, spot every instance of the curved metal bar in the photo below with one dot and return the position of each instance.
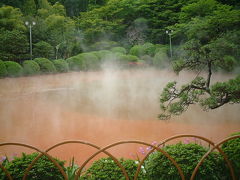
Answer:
(6, 172)
(96, 147)
(213, 148)
(34, 148)
(128, 142)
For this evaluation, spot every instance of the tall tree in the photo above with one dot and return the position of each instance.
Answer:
(212, 43)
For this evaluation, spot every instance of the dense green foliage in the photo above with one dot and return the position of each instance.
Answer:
(187, 156)
(232, 150)
(107, 169)
(61, 65)
(46, 66)
(43, 169)
(3, 70)
(30, 67)
(119, 50)
(43, 49)
(13, 69)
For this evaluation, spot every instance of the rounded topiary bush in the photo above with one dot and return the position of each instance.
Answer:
(149, 49)
(128, 58)
(119, 50)
(42, 169)
(137, 50)
(161, 59)
(101, 45)
(107, 169)
(30, 67)
(103, 54)
(13, 69)
(232, 150)
(89, 61)
(75, 63)
(3, 69)
(61, 65)
(158, 167)
(46, 66)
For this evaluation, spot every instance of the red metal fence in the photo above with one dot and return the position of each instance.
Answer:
(212, 145)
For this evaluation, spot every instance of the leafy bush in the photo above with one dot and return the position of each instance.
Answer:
(101, 45)
(149, 49)
(128, 58)
(187, 156)
(161, 59)
(61, 65)
(90, 61)
(103, 54)
(42, 169)
(232, 150)
(30, 67)
(119, 49)
(74, 63)
(107, 169)
(3, 69)
(46, 66)
(43, 49)
(137, 50)
(13, 69)
(84, 61)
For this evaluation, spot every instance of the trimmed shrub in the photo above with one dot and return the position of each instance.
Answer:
(128, 58)
(3, 69)
(103, 54)
(74, 63)
(43, 49)
(46, 66)
(158, 167)
(13, 69)
(137, 50)
(119, 50)
(101, 45)
(42, 169)
(61, 65)
(107, 169)
(30, 67)
(232, 150)
(84, 61)
(149, 49)
(90, 61)
(161, 59)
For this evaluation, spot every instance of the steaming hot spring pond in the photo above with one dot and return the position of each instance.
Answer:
(102, 108)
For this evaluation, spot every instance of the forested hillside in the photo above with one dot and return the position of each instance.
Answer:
(67, 27)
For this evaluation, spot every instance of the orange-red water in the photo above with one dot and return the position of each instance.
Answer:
(101, 108)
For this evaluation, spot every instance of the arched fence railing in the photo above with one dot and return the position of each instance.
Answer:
(104, 150)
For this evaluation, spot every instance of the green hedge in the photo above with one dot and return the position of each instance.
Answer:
(13, 69)
(90, 61)
(128, 58)
(44, 169)
(161, 59)
(74, 63)
(137, 50)
(46, 66)
(30, 67)
(101, 45)
(3, 69)
(119, 50)
(84, 61)
(158, 167)
(107, 169)
(232, 150)
(61, 65)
